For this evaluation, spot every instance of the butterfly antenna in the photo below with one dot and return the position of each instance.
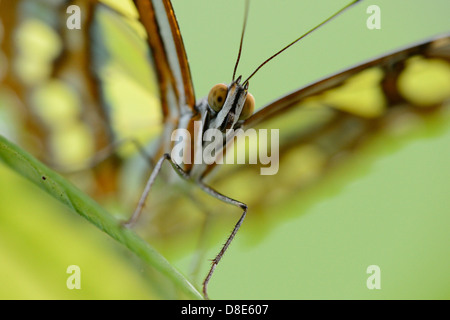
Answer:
(301, 37)
(247, 4)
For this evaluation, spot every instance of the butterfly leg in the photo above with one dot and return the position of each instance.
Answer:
(137, 212)
(150, 182)
(206, 189)
(219, 256)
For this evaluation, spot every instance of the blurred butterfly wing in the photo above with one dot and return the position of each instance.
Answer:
(123, 74)
(322, 122)
(390, 68)
(48, 78)
(141, 63)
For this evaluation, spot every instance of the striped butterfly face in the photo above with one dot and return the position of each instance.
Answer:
(120, 60)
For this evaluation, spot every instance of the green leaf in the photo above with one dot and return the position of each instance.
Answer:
(58, 187)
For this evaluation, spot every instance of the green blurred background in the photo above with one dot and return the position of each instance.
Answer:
(388, 206)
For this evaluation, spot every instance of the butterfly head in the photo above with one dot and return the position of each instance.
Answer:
(230, 104)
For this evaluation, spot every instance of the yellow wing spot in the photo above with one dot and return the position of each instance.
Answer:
(304, 164)
(425, 82)
(360, 95)
(73, 146)
(135, 114)
(59, 108)
(125, 7)
(38, 45)
(307, 113)
(56, 104)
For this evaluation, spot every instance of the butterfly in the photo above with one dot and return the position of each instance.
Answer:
(321, 124)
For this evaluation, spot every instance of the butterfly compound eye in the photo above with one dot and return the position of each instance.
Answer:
(249, 107)
(217, 96)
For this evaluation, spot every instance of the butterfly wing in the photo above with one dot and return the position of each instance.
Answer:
(123, 74)
(43, 75)
(170, 61)
(321, 124)
(390, 68)
(158, 40)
